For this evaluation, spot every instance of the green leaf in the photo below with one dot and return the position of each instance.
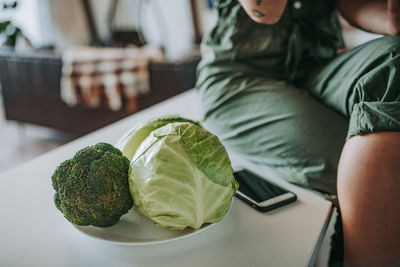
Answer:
(4, 25)
(181, 177)
(132, 139)
(11, 39)
(11, 5)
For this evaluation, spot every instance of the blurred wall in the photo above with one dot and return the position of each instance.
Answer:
(167, 23)
(68, 24)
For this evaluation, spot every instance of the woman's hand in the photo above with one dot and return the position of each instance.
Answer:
(264, 11)
(377, 16)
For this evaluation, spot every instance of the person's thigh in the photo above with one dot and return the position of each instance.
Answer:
(362, 84)
(274, 124)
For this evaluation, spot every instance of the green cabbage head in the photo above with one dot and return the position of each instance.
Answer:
(181, 175)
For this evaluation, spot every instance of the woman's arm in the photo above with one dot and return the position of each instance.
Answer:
(377, 16)
(264, 11)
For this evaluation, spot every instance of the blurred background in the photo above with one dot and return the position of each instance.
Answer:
(43, 42)
(70, 67)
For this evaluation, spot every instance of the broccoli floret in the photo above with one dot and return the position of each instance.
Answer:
(92, 188)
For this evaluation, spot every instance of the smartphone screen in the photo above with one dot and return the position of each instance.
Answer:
(255, 187)
(260, 193)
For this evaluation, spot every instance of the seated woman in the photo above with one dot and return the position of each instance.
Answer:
(275, 90)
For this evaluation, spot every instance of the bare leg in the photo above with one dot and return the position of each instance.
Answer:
(369, 197)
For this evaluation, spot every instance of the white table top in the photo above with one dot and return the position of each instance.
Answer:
(34, 233)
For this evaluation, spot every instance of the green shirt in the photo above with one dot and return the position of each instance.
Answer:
(308, 34)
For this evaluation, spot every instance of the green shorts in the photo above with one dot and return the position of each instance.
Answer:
(297, 120)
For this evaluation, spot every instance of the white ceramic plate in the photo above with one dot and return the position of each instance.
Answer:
(136, 229)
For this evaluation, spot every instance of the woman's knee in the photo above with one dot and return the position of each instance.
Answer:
(284, 128)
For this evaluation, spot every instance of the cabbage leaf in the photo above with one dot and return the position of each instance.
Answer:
(181, 175)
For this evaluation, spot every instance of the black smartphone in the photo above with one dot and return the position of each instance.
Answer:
(261, 194)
